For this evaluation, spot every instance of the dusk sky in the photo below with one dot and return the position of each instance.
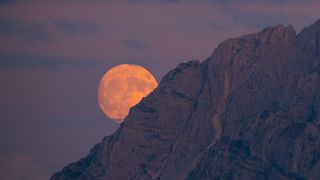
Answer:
(53, 54)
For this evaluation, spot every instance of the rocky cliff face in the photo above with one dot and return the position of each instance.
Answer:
(250, 111)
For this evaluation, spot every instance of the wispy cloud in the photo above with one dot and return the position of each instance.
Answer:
(27, 61)
(6, 2)
(259, 14)
(154, 1)
(34, 30)
(25, 29)
(135, 44)
(72, 27)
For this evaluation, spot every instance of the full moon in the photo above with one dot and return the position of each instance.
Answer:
(122, 87)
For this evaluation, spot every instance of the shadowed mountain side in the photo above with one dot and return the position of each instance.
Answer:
(250, 111)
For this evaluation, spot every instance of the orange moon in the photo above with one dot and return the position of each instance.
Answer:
(122, 87)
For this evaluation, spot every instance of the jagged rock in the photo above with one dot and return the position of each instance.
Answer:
(250, 111)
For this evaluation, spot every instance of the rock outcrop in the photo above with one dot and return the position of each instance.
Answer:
(250, 111)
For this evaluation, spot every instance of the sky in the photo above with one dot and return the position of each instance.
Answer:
(53, 54)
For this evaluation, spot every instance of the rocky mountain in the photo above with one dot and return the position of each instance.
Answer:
(250, 111)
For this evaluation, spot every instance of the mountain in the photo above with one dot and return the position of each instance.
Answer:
(250, 111)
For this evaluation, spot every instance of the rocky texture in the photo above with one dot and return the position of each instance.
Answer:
(250, 111)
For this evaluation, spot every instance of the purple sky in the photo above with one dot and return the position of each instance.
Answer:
(52, 55)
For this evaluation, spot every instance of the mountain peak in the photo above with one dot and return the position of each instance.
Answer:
(278, 34)
(279, 28)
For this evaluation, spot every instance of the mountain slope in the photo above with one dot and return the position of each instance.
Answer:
(250, 111)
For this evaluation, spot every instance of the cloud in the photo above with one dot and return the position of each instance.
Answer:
(35, 30)
(25, 29)
(261, 20)
(27, 61)
(148, 1)
(6, 2)
(260, 14)
(72, 27)
(135, 44)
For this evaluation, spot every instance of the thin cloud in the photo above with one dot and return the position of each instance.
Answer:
(25, 29)
(262, 14)
(154, 1)
(135, 44)
(72, 27)
(28, 61)
(6, 2)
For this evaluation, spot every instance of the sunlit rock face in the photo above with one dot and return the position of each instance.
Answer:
(250, 111)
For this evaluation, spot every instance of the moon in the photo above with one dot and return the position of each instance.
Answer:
(122, 87)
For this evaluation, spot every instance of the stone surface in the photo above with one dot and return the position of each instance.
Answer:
(250, 111)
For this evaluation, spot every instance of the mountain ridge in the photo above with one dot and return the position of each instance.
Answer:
(250, 111)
